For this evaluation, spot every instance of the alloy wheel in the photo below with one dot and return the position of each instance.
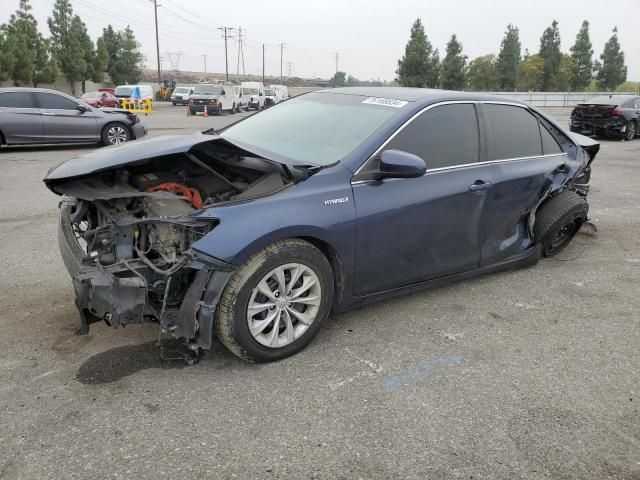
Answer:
(283, 305)
(117, 135)
(631, 131)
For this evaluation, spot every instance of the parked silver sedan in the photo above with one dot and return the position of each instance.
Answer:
(40, 116)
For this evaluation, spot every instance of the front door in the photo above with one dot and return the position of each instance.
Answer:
(62, 121)
(416, 229)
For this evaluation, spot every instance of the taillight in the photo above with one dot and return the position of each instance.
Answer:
(615, 111)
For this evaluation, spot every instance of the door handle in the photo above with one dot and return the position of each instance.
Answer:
(479, 186)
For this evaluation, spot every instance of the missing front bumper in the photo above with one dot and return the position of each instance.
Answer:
(120, 295)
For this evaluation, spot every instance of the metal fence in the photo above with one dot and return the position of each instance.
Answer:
(555, 99)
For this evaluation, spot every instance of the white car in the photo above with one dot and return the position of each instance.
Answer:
(282, 91)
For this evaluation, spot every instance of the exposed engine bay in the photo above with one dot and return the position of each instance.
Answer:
(133, 227)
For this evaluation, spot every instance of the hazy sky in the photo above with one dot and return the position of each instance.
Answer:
(369, 36)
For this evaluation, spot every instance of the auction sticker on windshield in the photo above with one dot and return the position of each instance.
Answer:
(387, 102)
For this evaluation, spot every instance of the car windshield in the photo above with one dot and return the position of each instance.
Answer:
(91, 95)
(314, 129)
(250, 91)
(270, 93)
(124, 91)
(181, 90)
(207, 90)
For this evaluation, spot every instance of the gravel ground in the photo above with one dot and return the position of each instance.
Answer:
(532, 373)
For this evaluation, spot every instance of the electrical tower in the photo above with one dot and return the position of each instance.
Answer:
(289, 67)
(174, 59)
(240, 53)
(337, 56)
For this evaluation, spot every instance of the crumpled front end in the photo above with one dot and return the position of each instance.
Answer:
(120, 284)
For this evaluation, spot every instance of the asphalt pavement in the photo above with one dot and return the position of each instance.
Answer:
(530, 373)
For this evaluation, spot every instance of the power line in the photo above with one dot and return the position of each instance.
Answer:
(155, 13)
(226, 56)
(281, 55)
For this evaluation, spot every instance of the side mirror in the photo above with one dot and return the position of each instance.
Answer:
(82, 108)
(399, 164)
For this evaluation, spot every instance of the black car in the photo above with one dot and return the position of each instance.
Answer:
(607, 115)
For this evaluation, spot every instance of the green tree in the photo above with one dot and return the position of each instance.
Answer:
(531, 75)
(420, 65)
(352, 81)
(31, 59)
(7, 60)
(564, 75)
(550, 53)
(581, 55)
(481, 74)
(508, 60)
(66, 42)
(453, 66)
(611, 71)
(88, 50)
(339, 79)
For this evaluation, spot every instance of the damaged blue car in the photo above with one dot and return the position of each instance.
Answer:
(328, 201)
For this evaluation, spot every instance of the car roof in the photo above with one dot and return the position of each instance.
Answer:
(609, 99)
(31, 89)
(422, 95)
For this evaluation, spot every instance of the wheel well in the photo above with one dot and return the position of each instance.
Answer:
(2, 139)
(336, 266)
(129, 129)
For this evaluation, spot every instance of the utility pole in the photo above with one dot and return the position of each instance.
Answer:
(240, 54)
(155, 11)
(263, 63)
(281, 55)
(204, 57)
(337, 62)
(226, 56)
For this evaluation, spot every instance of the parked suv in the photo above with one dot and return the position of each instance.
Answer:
(36, 115)
(608, 115)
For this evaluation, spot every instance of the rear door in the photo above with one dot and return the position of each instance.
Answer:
(413, 229)
(63, 122)
(522, 159)
(20, 120)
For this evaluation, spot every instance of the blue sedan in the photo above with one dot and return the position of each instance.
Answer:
(325, 202)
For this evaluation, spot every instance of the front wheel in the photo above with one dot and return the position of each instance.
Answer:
(115, 133)
(276, 302)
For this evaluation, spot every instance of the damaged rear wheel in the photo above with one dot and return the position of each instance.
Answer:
(559, 220)
(276, 302)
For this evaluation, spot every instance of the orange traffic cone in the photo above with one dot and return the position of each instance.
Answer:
(206, 112)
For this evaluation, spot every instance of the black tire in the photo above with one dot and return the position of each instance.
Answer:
(231, 316)
(173, 103)
(632, 131)
(233, 109)
(118, 129)
(219, 110)
(193, 111)
(558, 221)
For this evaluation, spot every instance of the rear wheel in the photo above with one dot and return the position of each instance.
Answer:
(276, 302)
(115, 133)
(558, 221)
(632, 129)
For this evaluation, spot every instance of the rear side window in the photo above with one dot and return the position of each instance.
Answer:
(16, 100)
(52, 101)
(513, 132)
(443, 136)
(549, 144)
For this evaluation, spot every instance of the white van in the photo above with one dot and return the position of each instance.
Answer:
(282, 92)
(180, 95)
(243, 100)
(215, 97)
(255, 93)
(125, 91)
